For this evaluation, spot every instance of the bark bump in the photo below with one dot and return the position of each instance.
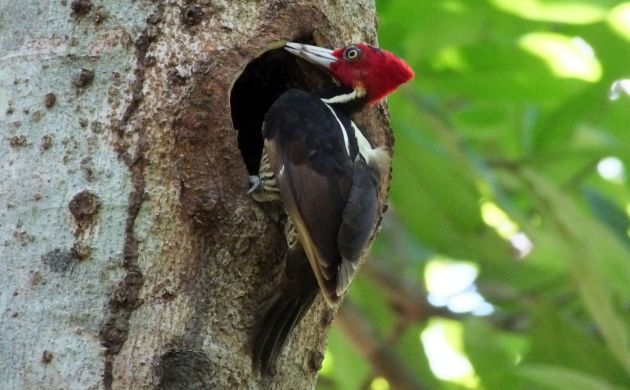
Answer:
(84, 207)
(185, 370)
(80, 7)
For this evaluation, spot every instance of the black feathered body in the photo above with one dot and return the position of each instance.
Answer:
(325, 173)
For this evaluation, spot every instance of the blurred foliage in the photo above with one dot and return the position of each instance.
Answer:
(509, 109)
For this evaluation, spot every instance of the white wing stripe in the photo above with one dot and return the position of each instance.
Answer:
(376, 158)
(364, 145)
(343, 129)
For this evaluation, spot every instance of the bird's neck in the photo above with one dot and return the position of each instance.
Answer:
(346, 99)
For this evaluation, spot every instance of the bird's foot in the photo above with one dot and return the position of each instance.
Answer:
(254, 181)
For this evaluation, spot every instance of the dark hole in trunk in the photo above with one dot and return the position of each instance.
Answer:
(263, 80)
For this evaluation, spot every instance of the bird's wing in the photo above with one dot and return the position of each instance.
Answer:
(357, 224)
(316, 175)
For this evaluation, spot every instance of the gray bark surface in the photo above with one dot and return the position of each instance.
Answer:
(131, 255)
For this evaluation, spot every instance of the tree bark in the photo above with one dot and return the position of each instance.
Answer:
(132, 256)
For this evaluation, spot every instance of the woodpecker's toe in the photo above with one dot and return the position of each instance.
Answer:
(254, 181)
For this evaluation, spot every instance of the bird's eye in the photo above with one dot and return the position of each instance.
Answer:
(352, 53)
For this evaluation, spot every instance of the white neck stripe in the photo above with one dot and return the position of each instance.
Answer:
(356, 93)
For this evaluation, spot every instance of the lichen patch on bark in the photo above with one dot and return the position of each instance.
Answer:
(58, 260)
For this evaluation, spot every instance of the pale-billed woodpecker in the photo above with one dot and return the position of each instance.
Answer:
(324, 171)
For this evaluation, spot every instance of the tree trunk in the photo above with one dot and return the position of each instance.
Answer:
(132, 256)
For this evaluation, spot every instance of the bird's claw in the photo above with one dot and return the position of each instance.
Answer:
(255, 183)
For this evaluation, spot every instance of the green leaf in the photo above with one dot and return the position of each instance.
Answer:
(435, 196)
(609, 214)
(555, 11)
(410, 350)
(374, 304)
(560, 378)
(347, 369)
(562, 340)
(599, 263)
(494, 354)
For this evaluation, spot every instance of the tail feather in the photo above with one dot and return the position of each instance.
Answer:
(293, 299)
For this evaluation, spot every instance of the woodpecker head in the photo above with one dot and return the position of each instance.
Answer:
(371, 72)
